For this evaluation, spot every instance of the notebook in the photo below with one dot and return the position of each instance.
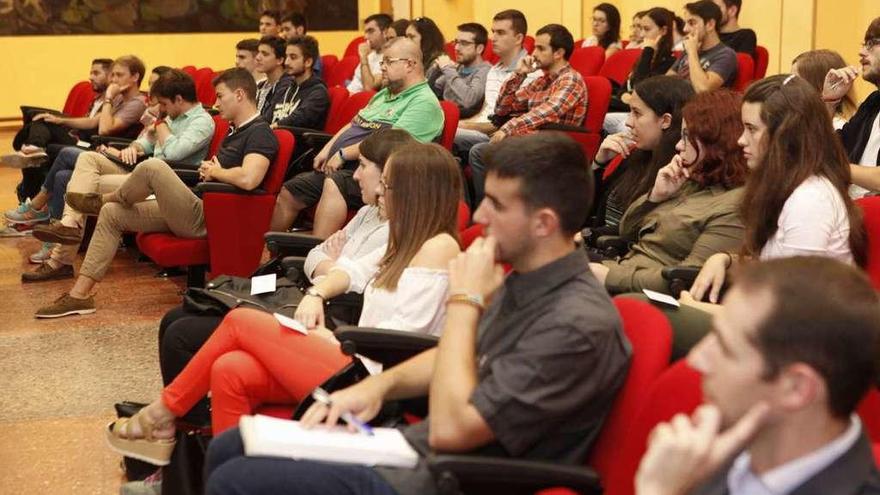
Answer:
(273, 437)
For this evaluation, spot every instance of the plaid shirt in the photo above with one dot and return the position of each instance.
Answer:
(552, 98)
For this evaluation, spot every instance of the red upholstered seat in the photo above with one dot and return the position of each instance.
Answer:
(871, 217)
(79, 99)
(328, 62)
(352, 48)
(221, 129)
(598, 99)
(588, 61)
(204, 86)
(619, 65)
(450, 123)
(762, 60)
(745, 72)
(338, 95)
(342, 71)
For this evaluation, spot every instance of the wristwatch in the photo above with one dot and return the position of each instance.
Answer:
(312, 291)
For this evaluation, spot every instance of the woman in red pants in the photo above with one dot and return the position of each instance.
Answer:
(251, 359)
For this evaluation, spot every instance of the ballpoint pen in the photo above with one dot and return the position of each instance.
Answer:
(321, 395)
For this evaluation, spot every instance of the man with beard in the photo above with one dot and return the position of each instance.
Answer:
(405, 103)
(308, 101)
(465, 82)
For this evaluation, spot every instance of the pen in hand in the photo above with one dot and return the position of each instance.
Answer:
(322, 396)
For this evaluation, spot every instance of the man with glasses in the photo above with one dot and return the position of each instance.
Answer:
(861, 135)
(407, 103)
(464, 82)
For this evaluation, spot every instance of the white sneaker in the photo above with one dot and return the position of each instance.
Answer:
(42, 255)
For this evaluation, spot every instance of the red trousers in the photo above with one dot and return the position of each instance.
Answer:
(251, 360)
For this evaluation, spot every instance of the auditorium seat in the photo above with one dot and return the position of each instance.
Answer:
(871, 217)
(588, 61)
(450, 123)
(328, 62)
(745, 72)
(352, 48)
(343, 71)
(762, 60)
(619, 65)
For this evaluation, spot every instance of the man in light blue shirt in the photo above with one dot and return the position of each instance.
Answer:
(792, 353)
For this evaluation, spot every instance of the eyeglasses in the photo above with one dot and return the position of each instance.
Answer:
(870, 43)
(384, 184)
(465, 42)
(388, 61)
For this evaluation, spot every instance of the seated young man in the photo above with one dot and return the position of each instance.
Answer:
(246, 55)
(278, 88)
(270, 23)
(793, 351)
(242, 160)
(308, 102)
(463, 81)
(294, 25)
(368, 75)
(706, 62)
(527, 366)
(407, 103)
(741, 40)
(558, 96)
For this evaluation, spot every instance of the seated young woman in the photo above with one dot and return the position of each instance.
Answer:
(693, 209)
(606, 29)
(813, 67)
(795, 201)
(657, 26)
(252, 359)
(654, 126)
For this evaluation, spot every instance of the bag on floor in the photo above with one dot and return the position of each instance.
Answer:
(225, 293)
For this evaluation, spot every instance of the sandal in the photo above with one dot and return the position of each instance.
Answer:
(156, 451)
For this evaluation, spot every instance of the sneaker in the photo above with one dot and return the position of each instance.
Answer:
(46, 272)
(25, 213)
(85, 203)
(66, 306)
(17, 230)
(42, 255)
(58, 233)
(151, 485)
(24, 160)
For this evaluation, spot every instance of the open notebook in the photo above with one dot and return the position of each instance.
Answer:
(273, 437)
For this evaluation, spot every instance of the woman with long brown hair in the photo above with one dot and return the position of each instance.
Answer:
(253, 359)
(813, 66)
(796, 200)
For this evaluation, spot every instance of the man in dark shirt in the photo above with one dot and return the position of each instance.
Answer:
(242, 160)
(706, 62)
(741, 40)
(307, 101)
(527, 366)
(274, 91)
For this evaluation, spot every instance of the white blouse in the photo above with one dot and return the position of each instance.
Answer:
(813, 222)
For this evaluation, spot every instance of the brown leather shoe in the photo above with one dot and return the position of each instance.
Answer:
(45, 272)
(67, 305)
(58, 233)
(85, 203)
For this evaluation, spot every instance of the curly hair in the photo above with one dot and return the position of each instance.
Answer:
(714, 125)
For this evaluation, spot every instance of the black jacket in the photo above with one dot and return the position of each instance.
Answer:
(856, 132)
(303, 105)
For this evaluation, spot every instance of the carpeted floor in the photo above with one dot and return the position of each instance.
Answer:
(59, 378)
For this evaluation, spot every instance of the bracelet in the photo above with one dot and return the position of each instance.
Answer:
(470, 300)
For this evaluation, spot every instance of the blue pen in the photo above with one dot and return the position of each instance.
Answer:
(321, 395)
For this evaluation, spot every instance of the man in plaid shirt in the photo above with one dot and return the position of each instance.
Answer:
(559, 96)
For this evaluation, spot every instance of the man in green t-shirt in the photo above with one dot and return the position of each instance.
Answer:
(406, 102)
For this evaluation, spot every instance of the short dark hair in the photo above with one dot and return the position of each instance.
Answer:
(297, 19)
(553, 171)
(381, 20)
(873, 30)
(277, 44)
(172, 83)
(734, 3)
(249, 44)
(560, 38)
(481, 36)
(612, 15)
(274, 14)
(238, 79)
(134, 65)
(105, 63)
(161, 70)
(516, 18)
(307, 44)
(825, 314)
(706, 10)
(378, 146)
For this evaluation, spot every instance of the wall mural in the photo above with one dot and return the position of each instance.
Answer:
(29, 17)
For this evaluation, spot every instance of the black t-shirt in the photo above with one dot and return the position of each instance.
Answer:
(741, 40)
(253, 137)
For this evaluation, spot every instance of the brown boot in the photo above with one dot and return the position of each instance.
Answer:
(46, 272)
(58, 233)
(85, 203)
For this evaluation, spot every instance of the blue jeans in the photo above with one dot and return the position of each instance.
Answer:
(478, 172)
(58, 177)
(229, 472)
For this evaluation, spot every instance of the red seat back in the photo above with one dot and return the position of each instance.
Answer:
(449, 47)
(588, 61)
(464, 216)
(489, 55)
(650, 335)
(342, 71)
(328, 62)
(337, 95)
(347, 111)
(470, 233)
(871, 219)
(598, 99)
(352, 48)
(869, 411)
(619, 65)
(450, 123)
(79, 100)
(745, 72)
(762, 60)
(189, 69)
(221, 129)
(275, 175)
(529, 43)
(204, 88)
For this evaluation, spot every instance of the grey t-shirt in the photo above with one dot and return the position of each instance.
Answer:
(720, 59)
(551, 356)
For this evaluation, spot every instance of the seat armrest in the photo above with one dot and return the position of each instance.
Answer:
(612, 245)
(504, 475)
(98, 140)
(389, 347)
(299, 131)
(222, 187)
(290, 243)
(683, 273)
(189, 177)
(316, 140)
(297, 263)
(554, 126)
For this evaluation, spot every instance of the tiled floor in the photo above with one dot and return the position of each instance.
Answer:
(60, 378)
